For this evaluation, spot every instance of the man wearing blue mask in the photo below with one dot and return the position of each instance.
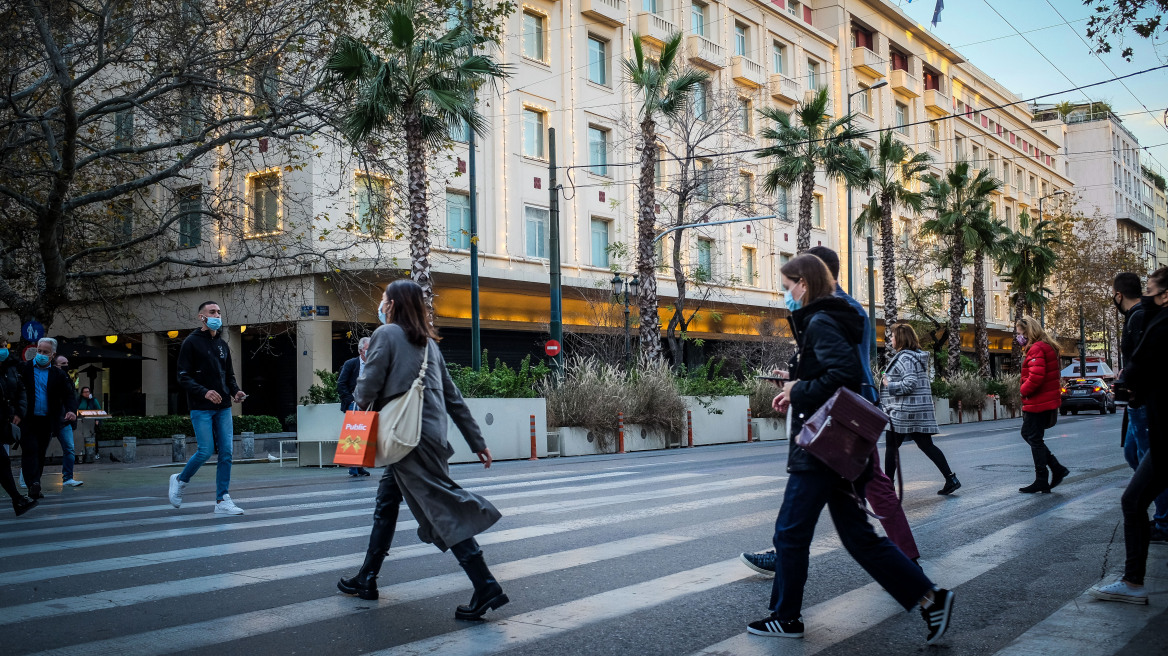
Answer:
(206, 373)
(51, 401)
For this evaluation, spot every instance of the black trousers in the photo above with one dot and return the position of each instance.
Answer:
(6, 480)
(1033, 431)
(35, 435)
(892, 442)
(1146, 484)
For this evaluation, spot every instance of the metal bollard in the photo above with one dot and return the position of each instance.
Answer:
(534, 452)
(248, 444)
(749, 426)
(620, 432)
(689, 427)
(178, 448)
(129, 448)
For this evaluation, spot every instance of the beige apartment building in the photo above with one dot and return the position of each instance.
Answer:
(1160, 213)
(566, 56)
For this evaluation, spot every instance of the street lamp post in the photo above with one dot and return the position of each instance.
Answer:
(1042, 283)
(848, 237)
(628, 289)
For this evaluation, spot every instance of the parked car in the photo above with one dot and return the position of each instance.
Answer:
(1087, 394)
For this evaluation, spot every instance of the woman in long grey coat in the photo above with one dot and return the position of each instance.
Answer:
(908, 399)
(448, 516)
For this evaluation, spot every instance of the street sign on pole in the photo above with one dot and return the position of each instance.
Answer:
(32, 331)
(552, 348)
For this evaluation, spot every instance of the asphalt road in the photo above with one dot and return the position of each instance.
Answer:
(622, 554)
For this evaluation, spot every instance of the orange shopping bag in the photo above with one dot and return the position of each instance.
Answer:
(358, 445)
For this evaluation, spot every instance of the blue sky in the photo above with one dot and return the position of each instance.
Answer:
(991, 44)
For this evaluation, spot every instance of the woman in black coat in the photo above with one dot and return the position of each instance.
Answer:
(12, 409)
(1144, 377)
(827, 334)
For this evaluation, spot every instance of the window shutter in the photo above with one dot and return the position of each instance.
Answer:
(807, 15)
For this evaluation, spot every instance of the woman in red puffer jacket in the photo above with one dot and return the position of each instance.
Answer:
(1041, 398)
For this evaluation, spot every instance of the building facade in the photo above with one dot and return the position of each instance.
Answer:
(566, 56)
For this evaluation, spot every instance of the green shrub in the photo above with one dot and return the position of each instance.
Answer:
(502, 382)
(590, 395)
(707, 380)
(652, 398)
(995, 387)
(164, 426)
(941, 389)
(325, 392)
(762, 394)
(1011, 391)
(969, 390)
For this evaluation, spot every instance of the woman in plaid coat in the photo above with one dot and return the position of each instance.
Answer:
(908, 399)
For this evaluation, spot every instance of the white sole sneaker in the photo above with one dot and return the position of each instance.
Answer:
(1119, 592)
(175, 492)
(73, 482)
(220, 509)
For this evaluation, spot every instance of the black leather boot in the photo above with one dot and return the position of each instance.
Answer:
(1057, 472)
(364, 585)
(488, 594)
(34, 491)
(22, 504)
(951, 485)
(1039, 484)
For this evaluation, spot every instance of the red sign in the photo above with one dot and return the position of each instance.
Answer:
(552, 348)
(29, 352)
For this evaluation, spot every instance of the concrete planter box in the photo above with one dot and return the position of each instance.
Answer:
(506, 426)
(644, 438)
(319, 423)
(769, 429)
(719, 419)
(577, 441)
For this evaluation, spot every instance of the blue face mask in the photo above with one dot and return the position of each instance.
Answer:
(214, 323)
(381, 316)
(3, 354)
(792, 303)
(41, 360)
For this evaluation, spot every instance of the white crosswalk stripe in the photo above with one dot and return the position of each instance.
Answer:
(672, 532)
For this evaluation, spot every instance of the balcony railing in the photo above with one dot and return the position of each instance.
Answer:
(609, 12)
(747, 71)
(866, 61)
(1138, 218)
(655, 27)
(938, 102)
(704, 51)
(905, 83)
(785, 88)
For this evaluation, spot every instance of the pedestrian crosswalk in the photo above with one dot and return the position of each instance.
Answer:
(589, 552)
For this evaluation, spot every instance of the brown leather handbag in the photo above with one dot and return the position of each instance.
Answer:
(843, 433)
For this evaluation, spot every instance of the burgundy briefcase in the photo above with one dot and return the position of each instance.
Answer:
(843, 433)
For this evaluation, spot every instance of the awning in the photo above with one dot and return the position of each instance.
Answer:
(85, 354)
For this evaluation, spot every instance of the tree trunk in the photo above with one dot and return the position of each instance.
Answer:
(677, 321)
(650, 328)
(981, 337)
(956, 277)
(419, 215)
(888, 262)
(803, 241)
(1015, 347)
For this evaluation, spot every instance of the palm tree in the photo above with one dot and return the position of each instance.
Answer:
(896, 167)
(416, 80)
(957, 199)
(1027, 260)
(665, 86)
(989, 235)
(805, 140)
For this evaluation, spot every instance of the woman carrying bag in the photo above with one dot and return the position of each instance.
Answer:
(908, 399)
(448, 516)
(1041, 398)
(827, 333)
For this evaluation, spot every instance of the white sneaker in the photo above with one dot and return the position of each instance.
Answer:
(227, 507)
(72, 482)
(1120, 591)
(22, 480)
(176, 490)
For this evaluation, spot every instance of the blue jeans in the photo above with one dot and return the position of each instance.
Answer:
(806, 495)
(213, 429)
(65, 437)
(1135, 447)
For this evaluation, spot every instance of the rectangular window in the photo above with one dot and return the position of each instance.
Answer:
(533, 130)
(745, 115)
(659, 169)
(993, 166)
(902, 118)
(191, 120)
(934, 136)
(599, 242)
(702, 179)
(460, 131)
(813, 75)
(701, 100)
(1032, 185)
(778, 54)
(705, 259)
(535, 225)
(864, 98)
(533, 36)
(817, 211)
(1005, 174)
(746, 187)
(597, 61)
(265, 203)
(265, 83)
(793, 8)
(123, 211)
(697, 16)
(1009, 212)
(372, 204)
(124, 127)
(190, 216)
(457, 220)
(598, 151)
(959, 147)
(740, 34)
(782, 198)
(749, 262)
(650, 6)
(976, 155)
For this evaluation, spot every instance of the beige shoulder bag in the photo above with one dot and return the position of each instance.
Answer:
(399, 423)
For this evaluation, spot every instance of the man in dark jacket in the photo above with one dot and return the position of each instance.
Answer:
(347, 382)
(1128, 300)
(206, 373)
(13, 408)
(51, 401)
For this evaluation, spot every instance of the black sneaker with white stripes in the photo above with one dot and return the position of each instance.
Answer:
(776, 628)
(937, 614)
